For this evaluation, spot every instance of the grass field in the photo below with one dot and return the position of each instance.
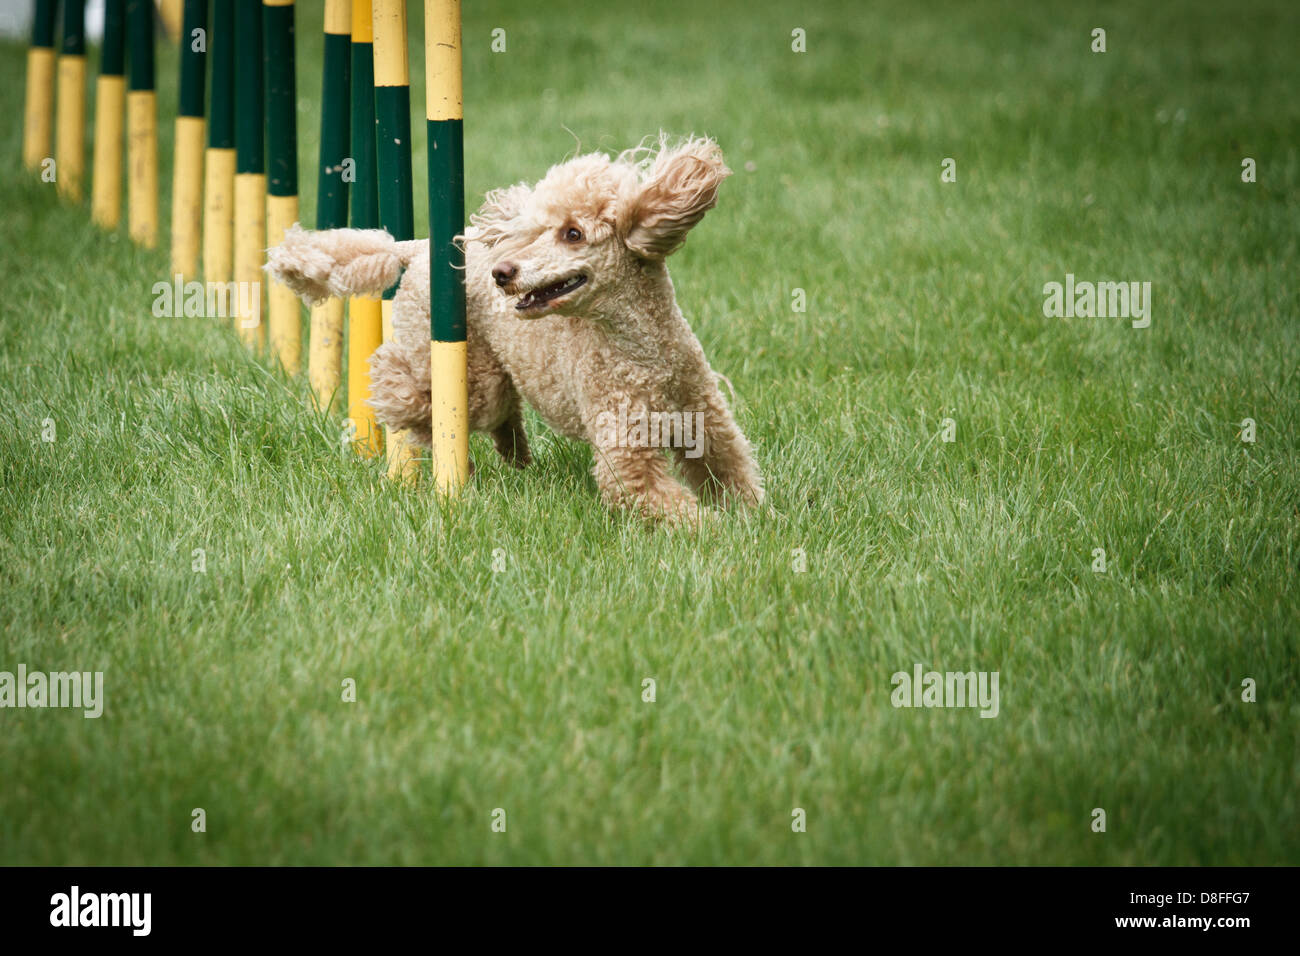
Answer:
(522, 689)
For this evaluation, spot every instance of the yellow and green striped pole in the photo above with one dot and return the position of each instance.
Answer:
(219, 161)
(70, 133)
(187, 173)
(365, 317)
(38, 111)
(282, 172)
(448, 355)
(393, 150)
(110, 107)
(250, 172)
(325, 351)
(141, 126)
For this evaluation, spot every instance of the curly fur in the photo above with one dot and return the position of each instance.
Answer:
(616, 340)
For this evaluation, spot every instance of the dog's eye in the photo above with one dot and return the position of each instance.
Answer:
(573, 234)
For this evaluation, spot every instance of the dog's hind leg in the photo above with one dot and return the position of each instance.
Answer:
(511, 441)
(399, 390)
(719, 459)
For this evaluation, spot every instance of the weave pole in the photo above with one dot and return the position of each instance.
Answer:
(70, 132)
(187, 173)
(110, 108)
(141, 126)
(38, 109)
(250, 174)
(325, 355)
(219, 161)
(396, 207)
(282, 172)
(448, 354)
(365, 318)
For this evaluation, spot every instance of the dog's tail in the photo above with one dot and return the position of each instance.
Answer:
(340, 262)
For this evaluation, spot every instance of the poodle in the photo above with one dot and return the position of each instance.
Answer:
(570, 306)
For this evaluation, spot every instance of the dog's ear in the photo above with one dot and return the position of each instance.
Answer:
(500, 208)
(678, 188)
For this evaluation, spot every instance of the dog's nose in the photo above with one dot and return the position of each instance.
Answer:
(503, 272)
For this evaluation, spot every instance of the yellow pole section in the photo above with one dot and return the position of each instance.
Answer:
(219, 217)
(392, 66)
(325, 353)
(448, 354)
(442, 60)
(363, 29)
(250, 246)
(106, 176)
(338, 17)
(285, 322)
(142, 162)
(70, 142)
(187, 195)
(365, 332)
(38, 113)
(170, 13)
(449, 367)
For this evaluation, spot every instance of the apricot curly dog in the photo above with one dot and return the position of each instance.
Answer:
(613, 363)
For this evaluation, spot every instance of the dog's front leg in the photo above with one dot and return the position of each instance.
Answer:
(639, 479)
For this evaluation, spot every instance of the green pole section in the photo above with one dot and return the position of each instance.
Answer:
(191, 98)
(393, 126)
(221, 51)
(365, 195)
(74, 28)
(112, 54)
(281, 101)
(332, 190)
(250, 148)
(139, 38)
(43, 24)
(446, 221)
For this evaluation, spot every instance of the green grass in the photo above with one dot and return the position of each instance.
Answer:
(522, 689)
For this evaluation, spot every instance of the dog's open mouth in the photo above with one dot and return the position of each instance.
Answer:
(545, 295)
